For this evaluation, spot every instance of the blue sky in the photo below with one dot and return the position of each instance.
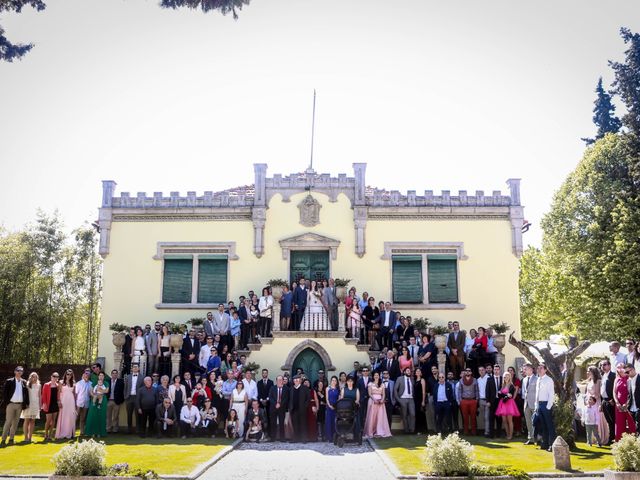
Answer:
(432, 95)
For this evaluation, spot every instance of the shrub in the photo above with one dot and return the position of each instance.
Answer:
(341, 282)
(563, 417)
(118, 328)
(123, 470)
(499, 327)
(439, 330)
(277, 282)
(80, 459)
(197, 321)
(626, 453)
(449, 456)
(498, 471)
(421, 323)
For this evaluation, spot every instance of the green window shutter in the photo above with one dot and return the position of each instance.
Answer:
(443, 280)
(212, 280)
(407, 279)
(176, 281)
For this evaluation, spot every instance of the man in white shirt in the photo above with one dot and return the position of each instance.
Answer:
(616, 356)
(545, 393)
(630, 344)
(82, 389)
(250, 386)
(205, 353)
(484, 417)
(189, 419)
(413, 350)
(15, 399)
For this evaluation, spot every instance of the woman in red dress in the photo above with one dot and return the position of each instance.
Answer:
(312, 411)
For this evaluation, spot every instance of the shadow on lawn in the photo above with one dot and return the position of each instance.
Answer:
(585, 454)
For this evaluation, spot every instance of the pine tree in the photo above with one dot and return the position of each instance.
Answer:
(627, 81)
(603, 115)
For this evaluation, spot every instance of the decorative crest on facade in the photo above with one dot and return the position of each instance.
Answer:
(309, 211)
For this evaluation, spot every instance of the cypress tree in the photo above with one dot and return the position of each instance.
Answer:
(603, 115)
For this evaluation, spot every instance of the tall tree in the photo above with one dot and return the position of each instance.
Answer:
(627, 81)
(603, 115)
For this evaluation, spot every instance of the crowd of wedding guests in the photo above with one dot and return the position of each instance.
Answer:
(216, 394)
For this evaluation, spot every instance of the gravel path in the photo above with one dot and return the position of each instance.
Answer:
(296, 461)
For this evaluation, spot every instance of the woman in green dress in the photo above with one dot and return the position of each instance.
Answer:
(97, 417)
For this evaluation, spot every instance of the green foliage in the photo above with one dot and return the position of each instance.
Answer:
(499, 327)
(124, 470)
(439, 330)
(563, 416)
(627, 81)
(277, 282)
(251, 366)
(177, 328)
(197, 321)
(603, 116)
(118, 328)
(80, 459)
(341, 282)
(421, 323)
(498, 471)
(223, 6)
(449, 456)
(49, 283)
(589, 267)
(626, 453)
(9, 51)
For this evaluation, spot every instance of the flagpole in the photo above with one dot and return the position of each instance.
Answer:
(313, 127)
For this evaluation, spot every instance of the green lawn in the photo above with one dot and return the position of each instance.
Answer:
(407, 452)
(165, 456)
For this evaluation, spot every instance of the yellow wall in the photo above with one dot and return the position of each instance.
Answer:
(488, 278)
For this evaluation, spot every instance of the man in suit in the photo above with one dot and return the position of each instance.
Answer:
(299, 303)
(355, 373)
(443, 399)
(332, 301)
(387, 321)
(608, 403)
(455, 344)
(403, 390)
(116, 399)
(391, 365)
(166, 419)
(189, 384)
(494, 385)
(298, 400)
(529, 399)
(191, 353)
(222, 322)
(413, 350)
(209, 326)
(278, 405)
(255, 410)
(389, 398)
(633, 383)
(146, 403)
(132, 383)
(363, 387)
(15, 400)
(151, 340)
(264, 388)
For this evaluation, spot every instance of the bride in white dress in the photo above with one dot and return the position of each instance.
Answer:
(315, 316)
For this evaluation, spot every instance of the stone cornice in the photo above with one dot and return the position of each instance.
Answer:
(441, 213)
(202, 214)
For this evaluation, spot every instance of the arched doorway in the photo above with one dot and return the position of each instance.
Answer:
(310, 362)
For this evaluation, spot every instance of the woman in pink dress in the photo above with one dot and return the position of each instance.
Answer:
(507, 407)
(593, 390)
(66, 427)
(376, 424)
(405, 360)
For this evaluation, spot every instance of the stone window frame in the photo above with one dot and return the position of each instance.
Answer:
(424, 249)
(195, 249)
(314, 241)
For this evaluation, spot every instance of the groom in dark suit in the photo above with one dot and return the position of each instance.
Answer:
(299, 303)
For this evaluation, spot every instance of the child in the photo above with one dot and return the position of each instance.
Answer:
(235, 328)
(98, 392)
(255, 433)
(590, 420)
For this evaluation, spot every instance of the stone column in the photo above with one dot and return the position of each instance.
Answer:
(175, 364)
(360, 223)
(118, 358)
(259, 217)
(342, 312)
(442, 362)
(514, 190)
(275, 323)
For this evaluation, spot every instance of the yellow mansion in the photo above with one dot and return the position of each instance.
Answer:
(441, 256)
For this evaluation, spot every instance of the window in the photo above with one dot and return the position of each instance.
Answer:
(407, 279)
(194, 274)
(177, 280)
(443, 278)
(212, 280)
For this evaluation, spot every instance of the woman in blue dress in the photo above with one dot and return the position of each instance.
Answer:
(286, 308)
(332, 395)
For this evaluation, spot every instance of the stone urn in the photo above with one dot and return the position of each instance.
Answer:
(499, 341)
(441, 342)
(175, 340)
(118, 340)
(341, 293)
(276, 293)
